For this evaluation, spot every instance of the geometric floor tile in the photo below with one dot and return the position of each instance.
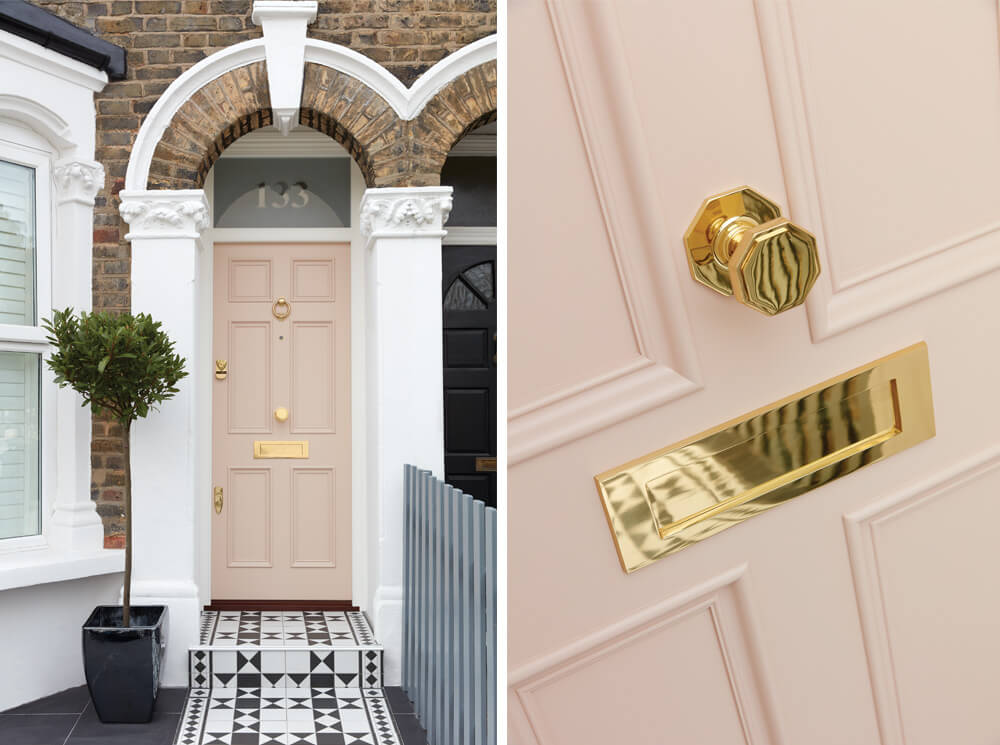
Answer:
(292, 716)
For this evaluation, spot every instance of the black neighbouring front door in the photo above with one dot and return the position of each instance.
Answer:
(470, 371)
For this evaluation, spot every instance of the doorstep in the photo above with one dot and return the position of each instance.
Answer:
(286, 678)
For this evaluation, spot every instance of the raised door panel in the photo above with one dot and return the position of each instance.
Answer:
(902, 129)
(313, 377)
(313, 517)
(313, 280)
(249, 379)
(249, 502)
(249, 280)
(562, 355)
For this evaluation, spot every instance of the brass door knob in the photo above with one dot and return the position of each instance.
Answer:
(740, 245)
(281, 414)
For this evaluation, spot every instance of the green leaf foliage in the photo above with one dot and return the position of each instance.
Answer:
(123, 364)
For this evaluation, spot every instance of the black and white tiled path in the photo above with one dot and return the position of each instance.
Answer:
(286, 678)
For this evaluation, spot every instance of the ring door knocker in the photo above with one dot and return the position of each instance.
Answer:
(281, 309)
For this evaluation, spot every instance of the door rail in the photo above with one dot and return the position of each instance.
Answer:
(449, 610)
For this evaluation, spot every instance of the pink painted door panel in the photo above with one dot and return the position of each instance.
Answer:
(859, 612)
(284, 532)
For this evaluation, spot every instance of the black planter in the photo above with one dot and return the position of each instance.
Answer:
(122, 665)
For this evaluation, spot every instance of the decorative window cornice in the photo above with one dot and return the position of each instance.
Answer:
(405, 211)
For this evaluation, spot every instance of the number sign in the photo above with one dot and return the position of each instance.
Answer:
(282, 193)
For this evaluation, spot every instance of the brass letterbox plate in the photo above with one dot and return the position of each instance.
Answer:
(486, 464)
(669, 499)
(281, 449)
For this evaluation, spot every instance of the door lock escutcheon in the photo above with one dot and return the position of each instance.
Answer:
(740, 245)
(221, 369)
(217, 499)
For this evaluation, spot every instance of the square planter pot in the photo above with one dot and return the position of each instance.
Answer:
(122, 665)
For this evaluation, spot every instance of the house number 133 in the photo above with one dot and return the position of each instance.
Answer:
(294, 196)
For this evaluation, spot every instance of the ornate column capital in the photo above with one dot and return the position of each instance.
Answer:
(78, 181)
(167, 213)
(405, 212)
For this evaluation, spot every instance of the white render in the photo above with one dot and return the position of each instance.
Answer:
(164, 228)
(50, 583)
(404, 228)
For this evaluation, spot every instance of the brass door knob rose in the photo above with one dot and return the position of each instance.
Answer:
(740, 245)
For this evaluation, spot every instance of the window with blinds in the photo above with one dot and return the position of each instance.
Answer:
(20, 502)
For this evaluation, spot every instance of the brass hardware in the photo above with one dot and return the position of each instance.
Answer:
(669, 499)
(281, 414)
(740, 245)
(281, 449)
(281, 315)
(221, 369)
(487, 465)
(217, 494)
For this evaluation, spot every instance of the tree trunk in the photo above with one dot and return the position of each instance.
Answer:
(127, 593)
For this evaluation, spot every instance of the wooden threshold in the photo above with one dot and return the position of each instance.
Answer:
(270, 605)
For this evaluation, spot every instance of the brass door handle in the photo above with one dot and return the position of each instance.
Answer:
(281, 414)
(217, 498)
(740, 245)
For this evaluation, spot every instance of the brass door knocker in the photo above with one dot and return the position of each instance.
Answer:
(281, 315)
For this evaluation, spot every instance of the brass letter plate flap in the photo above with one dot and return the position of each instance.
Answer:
(281, 449)
(669, 499)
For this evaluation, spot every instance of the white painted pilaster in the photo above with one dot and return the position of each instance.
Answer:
(284, 25)
(75, 525)
(164, 228)
(403, 228)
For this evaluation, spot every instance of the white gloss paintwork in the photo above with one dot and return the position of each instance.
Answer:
(47, 106)
(860, 612)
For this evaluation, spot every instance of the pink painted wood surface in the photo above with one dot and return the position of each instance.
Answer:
(285, 530)
(862, 612)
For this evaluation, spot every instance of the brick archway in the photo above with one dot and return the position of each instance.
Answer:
(389, 150)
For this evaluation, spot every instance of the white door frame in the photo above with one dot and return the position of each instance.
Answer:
(291, 146)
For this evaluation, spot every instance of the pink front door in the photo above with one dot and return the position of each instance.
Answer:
(281, 415)
(865, 611)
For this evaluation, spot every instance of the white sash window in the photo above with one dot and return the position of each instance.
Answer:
(25, 217)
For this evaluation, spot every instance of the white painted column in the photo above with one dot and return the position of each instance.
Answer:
(75, 525)
(164, 228)
(403, 228)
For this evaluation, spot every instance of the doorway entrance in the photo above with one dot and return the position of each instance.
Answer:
(281, 422)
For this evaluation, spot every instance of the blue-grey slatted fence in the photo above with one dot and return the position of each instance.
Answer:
(449, 611)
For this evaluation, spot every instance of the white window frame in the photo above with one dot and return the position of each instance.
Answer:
(20, 146)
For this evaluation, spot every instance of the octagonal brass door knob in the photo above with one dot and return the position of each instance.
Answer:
(740, 245)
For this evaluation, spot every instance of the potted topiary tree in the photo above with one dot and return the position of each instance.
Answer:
(124, 365)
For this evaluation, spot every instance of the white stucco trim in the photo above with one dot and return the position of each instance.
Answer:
(29, 53)
(284, 24)
(28, 568)
(37, 118)
(470, 236)
(406, 102)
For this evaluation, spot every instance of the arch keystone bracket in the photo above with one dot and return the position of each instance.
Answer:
(284, 24)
